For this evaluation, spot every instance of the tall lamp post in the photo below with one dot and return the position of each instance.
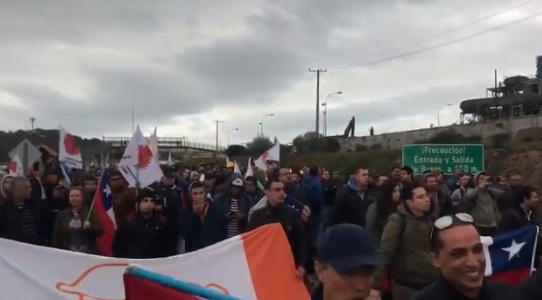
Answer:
(325, 109)
(261, 123)
(229, 134)
(217, 122)
(438, 112)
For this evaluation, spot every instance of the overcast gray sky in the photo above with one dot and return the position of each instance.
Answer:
(181, 64)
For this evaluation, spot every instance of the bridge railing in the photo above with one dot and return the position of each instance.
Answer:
(166, 142)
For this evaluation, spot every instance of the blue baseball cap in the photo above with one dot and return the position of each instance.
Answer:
(347, 247)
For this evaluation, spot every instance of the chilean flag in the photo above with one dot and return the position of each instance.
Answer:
(102, 206)
(510, 256)
(294, 204)
(140, 284)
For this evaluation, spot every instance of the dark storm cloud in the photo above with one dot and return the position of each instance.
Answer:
(155, 96)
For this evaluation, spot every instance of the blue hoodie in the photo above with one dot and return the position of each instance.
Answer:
(315, 192)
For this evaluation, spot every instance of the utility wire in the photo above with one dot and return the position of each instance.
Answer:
(429, 48)
(445, 32)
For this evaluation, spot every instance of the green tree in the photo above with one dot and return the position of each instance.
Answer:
(236, 150)
(259, 144)
(310, 142)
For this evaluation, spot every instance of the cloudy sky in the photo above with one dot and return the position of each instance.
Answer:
(181, 64)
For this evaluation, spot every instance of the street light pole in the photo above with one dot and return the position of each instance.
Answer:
(325, 109)
(261, 123)
(438, 112)
(217, 127)
(229, 133)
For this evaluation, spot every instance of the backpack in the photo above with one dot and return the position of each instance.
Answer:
(402, 229)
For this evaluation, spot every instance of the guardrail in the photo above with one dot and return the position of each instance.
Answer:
(167, 142)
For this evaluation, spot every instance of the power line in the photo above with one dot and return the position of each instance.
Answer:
(445, 32)
(429, 48)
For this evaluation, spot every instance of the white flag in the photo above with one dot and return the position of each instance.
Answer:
(271, 154)
(249, 172)
(69, 151)
(236, 169)
(153, 144)
(138, 165)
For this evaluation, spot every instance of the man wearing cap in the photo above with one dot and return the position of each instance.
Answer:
(169, 200)
(345, 262)
(235, 205)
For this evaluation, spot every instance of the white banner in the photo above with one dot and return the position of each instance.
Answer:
(255, 265)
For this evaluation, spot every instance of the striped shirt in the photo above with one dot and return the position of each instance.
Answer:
(233, 225)
(27, 222)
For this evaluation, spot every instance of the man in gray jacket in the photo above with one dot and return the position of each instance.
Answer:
(483, 204)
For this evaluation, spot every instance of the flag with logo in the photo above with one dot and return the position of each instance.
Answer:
(137, 165)
(271, 154)
(69, 152)
(510, 256)
(15, 166)
(102, 206)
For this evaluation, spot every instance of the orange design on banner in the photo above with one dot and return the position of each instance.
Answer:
(72, 288)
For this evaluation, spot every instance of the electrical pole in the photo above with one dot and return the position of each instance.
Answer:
(33, 123)
(217, 127)
(318, 72)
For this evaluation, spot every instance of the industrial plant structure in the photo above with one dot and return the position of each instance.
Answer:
(514, 97)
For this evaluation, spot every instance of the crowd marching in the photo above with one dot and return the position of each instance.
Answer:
(366, 236)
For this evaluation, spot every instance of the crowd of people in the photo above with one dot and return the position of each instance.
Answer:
(345, 234)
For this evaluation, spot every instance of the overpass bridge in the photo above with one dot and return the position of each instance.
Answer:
(165, 143)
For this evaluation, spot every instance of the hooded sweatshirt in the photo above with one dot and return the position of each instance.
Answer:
(484, 210)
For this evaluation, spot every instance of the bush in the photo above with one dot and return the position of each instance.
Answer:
(527, 139)
(501, 140)
(361, 148)
(235, 150)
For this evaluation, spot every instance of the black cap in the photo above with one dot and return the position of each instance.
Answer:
(347, 247)
(170, 171)
(145, 193)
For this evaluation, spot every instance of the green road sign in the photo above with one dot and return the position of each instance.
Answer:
(445, 157)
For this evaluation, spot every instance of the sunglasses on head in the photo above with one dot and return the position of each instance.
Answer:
(446, 222)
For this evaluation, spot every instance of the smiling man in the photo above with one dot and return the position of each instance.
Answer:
(458, 252)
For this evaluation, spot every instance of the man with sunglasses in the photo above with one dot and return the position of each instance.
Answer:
(457, 251)
(276, 211)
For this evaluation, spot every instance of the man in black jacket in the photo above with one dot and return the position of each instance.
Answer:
(352, 201)
(277, 212)
(20, 216)
(458, 252)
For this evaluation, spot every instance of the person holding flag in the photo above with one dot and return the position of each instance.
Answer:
(75, 228)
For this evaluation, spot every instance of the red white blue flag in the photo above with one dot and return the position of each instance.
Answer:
(510, 255)
(141, 284)
(102, 206)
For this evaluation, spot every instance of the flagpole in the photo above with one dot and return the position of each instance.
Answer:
(94, 198)
(133, 120)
